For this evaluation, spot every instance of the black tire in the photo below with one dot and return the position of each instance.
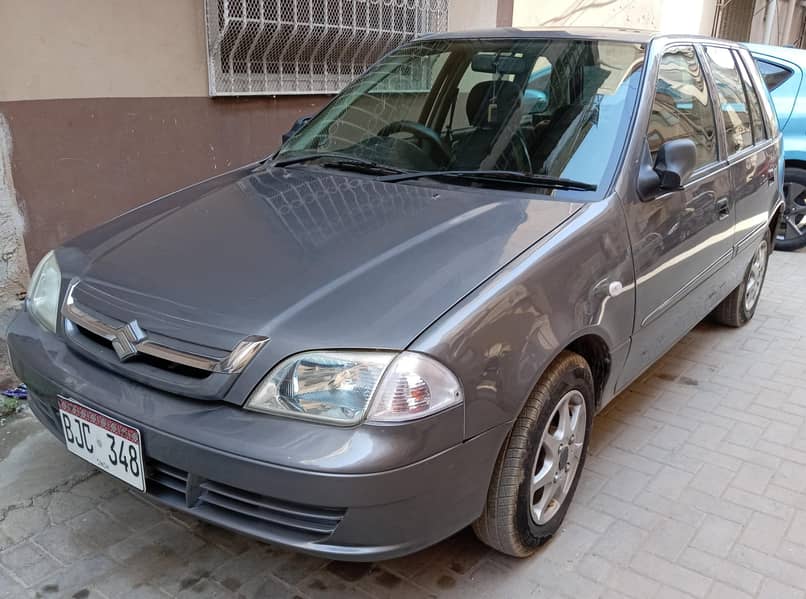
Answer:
(734, 311)
(507, 523)
(787, 238)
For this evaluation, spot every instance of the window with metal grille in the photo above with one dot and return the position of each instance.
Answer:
(259, 47)
(733, 19)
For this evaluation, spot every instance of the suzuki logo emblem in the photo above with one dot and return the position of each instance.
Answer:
(126, 339)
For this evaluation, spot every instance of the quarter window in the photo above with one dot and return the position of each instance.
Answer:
(682, 108)
(752, 101)
(732, 100)
(774, 75)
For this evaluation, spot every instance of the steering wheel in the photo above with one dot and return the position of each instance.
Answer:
(422, 132)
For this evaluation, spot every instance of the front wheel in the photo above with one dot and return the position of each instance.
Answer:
(791, 234)
(539, 466)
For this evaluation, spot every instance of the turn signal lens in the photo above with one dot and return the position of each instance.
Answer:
(414, 386)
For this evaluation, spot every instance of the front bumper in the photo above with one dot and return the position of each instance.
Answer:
(342, 512)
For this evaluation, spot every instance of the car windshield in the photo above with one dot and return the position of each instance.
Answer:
(551, 107)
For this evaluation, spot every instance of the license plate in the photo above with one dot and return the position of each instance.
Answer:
(104, 442)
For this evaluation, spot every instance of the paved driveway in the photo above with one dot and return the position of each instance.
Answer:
(695, 487)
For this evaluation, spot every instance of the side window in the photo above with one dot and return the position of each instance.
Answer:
(759, 134)
(732, 101)
(773, 74)
(681, 108)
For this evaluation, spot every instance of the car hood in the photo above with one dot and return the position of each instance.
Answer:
(311, 258)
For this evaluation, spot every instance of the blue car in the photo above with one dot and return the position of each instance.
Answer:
(783, 69)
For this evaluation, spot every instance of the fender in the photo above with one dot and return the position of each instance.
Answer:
(557, 292)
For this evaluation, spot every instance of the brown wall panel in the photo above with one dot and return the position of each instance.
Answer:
(79, 162)
(504, 14)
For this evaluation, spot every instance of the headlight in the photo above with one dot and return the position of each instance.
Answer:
(43, 293)
(344, 387)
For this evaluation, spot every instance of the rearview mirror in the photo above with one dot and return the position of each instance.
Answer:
(298, 124)
(499, 63)
(673, 165)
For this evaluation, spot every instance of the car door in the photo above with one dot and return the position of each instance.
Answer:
(681, 239)
(752, 157)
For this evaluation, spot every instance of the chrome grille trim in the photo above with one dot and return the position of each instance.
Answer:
(233, 363)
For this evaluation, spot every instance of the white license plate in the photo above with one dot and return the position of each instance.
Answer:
(106, 443)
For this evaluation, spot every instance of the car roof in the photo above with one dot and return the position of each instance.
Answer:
(619, 34)
(793, 55)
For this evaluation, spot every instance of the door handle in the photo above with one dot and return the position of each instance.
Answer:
(723, 208)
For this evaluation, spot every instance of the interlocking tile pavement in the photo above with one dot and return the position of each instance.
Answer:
(695, 487)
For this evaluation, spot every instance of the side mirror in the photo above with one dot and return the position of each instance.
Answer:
(298, 124)
(535, 100)
(673, 165)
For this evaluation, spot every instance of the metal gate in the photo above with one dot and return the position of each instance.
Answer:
(307, 46)
(733, 19)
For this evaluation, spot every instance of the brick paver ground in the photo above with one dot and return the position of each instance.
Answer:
(695, 487)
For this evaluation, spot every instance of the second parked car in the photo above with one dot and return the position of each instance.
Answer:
(782, 70)
(404, 321)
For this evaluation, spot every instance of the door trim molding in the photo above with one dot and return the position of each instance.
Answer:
(685, 289)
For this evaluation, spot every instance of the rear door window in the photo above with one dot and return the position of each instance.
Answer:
(732, 100)
(682, 106)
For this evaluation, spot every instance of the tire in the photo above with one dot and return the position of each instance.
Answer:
(509, 523)
(738, 308)
(787, 238)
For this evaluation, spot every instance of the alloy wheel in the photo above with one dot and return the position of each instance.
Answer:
(793, 221)
(558, 456)
(755, 276)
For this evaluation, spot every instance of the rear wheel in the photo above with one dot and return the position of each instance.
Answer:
(539, 466)
(739, 307)
(791, 234)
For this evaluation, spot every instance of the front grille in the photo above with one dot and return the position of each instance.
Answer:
(152, 361)
(160, 350)
(242, 510)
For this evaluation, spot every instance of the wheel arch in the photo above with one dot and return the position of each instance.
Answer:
(795, 163)
(595, 351)
(773, 224)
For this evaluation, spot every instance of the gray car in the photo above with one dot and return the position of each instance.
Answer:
(403, 322)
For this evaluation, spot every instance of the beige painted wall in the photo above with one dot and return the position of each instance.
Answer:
(101, 48)
(643, 14)
(778, 34)
(125, 48)
(672, 16)
(471, 14)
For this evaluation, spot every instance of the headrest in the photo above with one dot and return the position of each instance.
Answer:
(480, 113)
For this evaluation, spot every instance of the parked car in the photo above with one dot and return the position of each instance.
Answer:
(404, 321)
(782, 70)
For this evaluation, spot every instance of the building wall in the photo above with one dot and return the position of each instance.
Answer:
(673, 16)
(472, 14)
(107, 108)
(778, 33)
(97, 48)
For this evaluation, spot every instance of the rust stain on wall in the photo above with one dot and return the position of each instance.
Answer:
(13, 264)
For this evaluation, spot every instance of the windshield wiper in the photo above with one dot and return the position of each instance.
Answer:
(343, 162)
(508, 177)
